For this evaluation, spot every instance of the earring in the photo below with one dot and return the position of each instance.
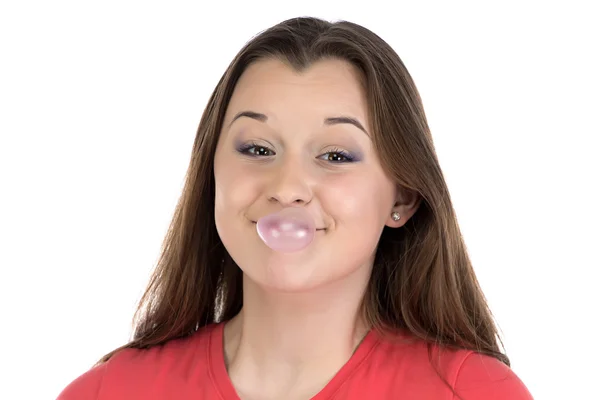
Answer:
(396, 216)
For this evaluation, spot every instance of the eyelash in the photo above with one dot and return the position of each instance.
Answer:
(348, 158)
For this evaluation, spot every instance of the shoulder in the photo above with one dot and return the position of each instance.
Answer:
(129, 371)
(480, 376)
(443, 373)
(86, 386)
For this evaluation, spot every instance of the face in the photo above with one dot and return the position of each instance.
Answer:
(294, 139)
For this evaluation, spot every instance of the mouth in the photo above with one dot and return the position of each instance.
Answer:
(318, 229)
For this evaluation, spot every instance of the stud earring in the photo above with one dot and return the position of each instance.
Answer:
(396, 216)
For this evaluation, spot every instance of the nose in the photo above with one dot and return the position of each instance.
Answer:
(290, 185)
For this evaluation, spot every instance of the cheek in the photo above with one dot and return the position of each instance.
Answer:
(234, 187)
(358, 197)
(234, 192)
(359, 207)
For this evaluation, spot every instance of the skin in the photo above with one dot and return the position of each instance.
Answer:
(300, 321)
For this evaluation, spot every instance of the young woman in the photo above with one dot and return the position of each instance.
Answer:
(382, 303)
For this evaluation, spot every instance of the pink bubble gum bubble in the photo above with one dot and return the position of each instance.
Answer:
(289, 230)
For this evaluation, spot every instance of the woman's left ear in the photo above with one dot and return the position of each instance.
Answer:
(407, 203)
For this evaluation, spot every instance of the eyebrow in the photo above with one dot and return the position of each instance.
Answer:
(328, 121)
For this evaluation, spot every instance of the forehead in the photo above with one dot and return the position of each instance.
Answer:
(327, 87)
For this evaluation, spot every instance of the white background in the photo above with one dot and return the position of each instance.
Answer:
(99, 104)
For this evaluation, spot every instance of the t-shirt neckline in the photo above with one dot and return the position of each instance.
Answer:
(221, 380)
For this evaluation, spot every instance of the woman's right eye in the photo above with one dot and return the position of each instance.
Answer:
(256, 150)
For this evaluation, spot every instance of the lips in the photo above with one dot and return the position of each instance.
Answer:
(318, 229)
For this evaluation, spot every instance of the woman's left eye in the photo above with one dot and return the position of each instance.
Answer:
(337, 156)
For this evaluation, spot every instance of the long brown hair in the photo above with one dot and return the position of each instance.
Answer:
(422, 279)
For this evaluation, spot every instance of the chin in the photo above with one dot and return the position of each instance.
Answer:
(285, 284)
(293, 273)
(306, 270)
(284, 272)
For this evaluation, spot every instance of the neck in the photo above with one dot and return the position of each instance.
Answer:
(297, 340)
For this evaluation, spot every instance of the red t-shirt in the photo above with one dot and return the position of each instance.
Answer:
(194, 368)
